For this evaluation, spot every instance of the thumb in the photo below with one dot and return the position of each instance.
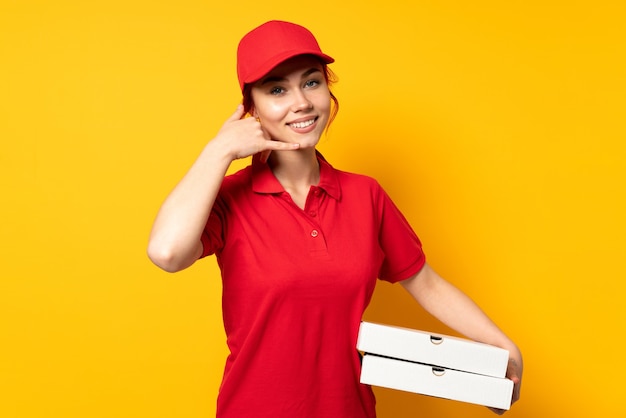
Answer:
(237, 115)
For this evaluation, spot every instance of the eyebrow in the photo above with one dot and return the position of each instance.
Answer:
(273, 79)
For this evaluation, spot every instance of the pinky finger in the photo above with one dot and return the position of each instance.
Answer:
(265, 155)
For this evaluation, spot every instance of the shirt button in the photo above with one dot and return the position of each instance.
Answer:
(312, 213)
(314, 233)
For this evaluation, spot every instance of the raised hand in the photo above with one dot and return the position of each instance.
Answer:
(242, 137)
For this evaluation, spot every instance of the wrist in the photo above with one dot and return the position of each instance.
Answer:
(219, 152)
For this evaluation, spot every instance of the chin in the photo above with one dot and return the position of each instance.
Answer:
(308, 142)
(305, 140)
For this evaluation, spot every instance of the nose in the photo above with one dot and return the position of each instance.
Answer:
(301, 101)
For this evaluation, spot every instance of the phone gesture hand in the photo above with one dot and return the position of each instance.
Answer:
(245, 136)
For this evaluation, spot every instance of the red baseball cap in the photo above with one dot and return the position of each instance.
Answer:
(266, 46)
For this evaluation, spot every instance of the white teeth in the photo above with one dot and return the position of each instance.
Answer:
(300, 125)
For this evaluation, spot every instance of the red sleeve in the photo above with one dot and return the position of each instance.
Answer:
(402, 248)
(212, 237)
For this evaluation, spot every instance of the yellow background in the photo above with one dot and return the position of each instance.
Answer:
(496, 126)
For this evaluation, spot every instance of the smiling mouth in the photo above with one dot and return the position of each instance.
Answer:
(302, 125)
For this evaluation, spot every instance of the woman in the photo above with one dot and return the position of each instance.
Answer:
(300, 244)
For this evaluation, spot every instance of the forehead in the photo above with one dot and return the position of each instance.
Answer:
(294, 67)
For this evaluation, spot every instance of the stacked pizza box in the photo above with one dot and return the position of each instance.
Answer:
(433, 364)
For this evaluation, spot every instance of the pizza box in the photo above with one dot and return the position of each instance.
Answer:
(434, 349)
(435, 381)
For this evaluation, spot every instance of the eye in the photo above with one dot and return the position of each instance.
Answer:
(312, 83)
(277, 91)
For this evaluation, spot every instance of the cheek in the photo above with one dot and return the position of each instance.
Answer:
(272, 111)
(322, 101)
(262, 105)
(326, 105)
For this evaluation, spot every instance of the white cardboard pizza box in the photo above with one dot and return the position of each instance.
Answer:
(434, 381)
(435, 349)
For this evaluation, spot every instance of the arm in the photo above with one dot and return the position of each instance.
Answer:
(455, 309)
(174, 242)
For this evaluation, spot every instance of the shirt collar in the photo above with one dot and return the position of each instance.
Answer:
(264, 181)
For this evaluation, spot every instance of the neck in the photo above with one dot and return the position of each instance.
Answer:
(295, 170)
